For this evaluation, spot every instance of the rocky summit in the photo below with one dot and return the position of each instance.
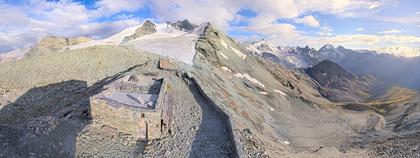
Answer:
(184, 90)
(335, 82)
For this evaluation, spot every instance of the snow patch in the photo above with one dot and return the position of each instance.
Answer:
(249, 78)
(167, 41)
(180, 47)
(253, 49)
(239, 53)
(263, 93)
(286, 142)
(224, 68)
(271, 108)
(223, 55)
(113, 40)
(200, 29)
(170, 42)
(224, 44)
(239, 75)
(280, 92)
(168, 29)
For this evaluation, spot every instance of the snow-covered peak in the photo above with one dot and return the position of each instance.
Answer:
(400, 51)
(327, 47)
(166, 28)
(261, 46)
(184, 25)
(341, 48)
(329, 52)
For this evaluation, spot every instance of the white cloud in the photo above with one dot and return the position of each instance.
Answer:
(269, 11)
(400, 51)
(218, 12)
(283, 9)
(69, 18)
(325, 31)
(340, 7)
(276, 29)
(418, 13)
(19, 18)
(37, 19)
(266, 25)
(308, 20)
(365, 41)
(110, 7)
(401, 20)
(392, 31)
(360, 29)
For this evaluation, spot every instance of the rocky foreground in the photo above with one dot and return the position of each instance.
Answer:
(226, 103)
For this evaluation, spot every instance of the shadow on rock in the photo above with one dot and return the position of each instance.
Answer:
(45, 121)
(214, 137)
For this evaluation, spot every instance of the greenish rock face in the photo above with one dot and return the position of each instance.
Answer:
(146, 29)
(88, 64)
(206, 46)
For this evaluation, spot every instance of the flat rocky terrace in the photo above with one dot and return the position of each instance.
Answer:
(139, 92)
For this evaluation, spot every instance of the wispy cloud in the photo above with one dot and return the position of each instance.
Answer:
(402, 20)
(308, 20)
(360, 29)
(111, 7)
(37, 19)
(392, 31)
(325, 31)
(365, 41)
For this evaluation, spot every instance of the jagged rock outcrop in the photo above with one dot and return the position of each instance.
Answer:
(291, 57)
(184, 25)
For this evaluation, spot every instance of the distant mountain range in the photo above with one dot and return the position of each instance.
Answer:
(391, 69)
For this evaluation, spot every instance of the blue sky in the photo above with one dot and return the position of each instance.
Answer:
(359, 24)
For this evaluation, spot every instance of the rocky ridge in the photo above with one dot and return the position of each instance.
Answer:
(359, 62)
(339, 85)
(257, 107)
